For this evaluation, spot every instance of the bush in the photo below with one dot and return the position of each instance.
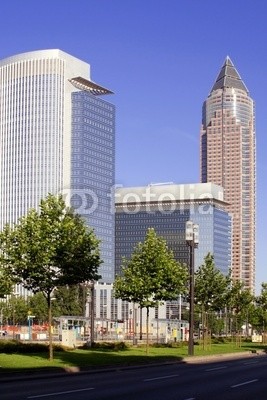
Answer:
(170, 344)
(18, 347)
(108, 346)
(218, 340)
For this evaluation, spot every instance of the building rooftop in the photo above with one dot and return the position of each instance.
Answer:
(229, 77)
(89, 86)
(168, 193)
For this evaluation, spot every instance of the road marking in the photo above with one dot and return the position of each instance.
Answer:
(160, 377)
(244, 383)
(215, 369)
(58, 393)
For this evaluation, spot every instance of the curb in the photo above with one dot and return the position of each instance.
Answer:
(52, 372)
(71, 371)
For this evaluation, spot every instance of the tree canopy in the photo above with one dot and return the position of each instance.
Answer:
(210, 285)
(49, 248)
(239, 299)
(151, 274)
(6, 282)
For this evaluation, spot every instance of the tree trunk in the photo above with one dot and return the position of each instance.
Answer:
(141, 325)
(50, 327)
(147, 318)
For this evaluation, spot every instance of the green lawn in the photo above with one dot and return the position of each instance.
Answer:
(91, 358)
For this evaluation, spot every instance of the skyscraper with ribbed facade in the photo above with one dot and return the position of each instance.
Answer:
(167, 208)
(57, 135)
(228, 158)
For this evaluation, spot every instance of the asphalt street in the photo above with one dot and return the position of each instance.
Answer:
(196, 379)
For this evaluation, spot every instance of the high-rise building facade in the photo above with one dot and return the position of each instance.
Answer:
(167, 208)
(57, 135)
(228, 158)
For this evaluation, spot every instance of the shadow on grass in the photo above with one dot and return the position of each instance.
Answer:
(254, 346)
(31, 359)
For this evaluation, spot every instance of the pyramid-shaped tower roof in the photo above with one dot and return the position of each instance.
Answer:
(229, 77)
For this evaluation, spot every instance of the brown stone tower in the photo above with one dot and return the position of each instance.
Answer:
(228, 158)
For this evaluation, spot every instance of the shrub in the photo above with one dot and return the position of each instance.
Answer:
(170, 344)
(18, 347)
(109, 345)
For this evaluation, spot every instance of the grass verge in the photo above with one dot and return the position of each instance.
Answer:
(19, 359)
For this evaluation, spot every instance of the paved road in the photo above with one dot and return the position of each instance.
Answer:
(243, 378)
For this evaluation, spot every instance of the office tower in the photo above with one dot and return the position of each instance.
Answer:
(167, 208)
(57, 135)
(228, 159)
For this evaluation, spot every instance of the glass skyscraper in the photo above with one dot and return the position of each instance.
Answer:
(167, 208)
(228, 158)
(57, 135)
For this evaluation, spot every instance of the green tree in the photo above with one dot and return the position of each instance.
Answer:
(50, 248)
(239, 301)
(14, 311)
(261, 309)
(6, 282)
(37, 304)
(69, 300)
(210, 288)
(19, 308)
(151, 275)
(257, 317)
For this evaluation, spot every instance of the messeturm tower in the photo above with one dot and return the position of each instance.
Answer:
(228, 158)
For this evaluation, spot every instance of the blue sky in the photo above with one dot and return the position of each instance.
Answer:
(161, 58)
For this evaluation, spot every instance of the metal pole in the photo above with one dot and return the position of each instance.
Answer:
(191, 307)
(13, 319)
(158, 328)
(192, 239)
(134, 325)
(180, 317)
(180, 307)
(92, 316)
(1, 320)
(30, 327)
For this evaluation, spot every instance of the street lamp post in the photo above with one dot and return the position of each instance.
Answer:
(192, 240)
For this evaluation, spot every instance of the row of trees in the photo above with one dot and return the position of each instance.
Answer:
(152, 275)
(52, 252)
(214, 297)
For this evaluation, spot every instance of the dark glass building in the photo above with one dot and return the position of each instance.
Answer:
(93, 170)
(167, 208)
